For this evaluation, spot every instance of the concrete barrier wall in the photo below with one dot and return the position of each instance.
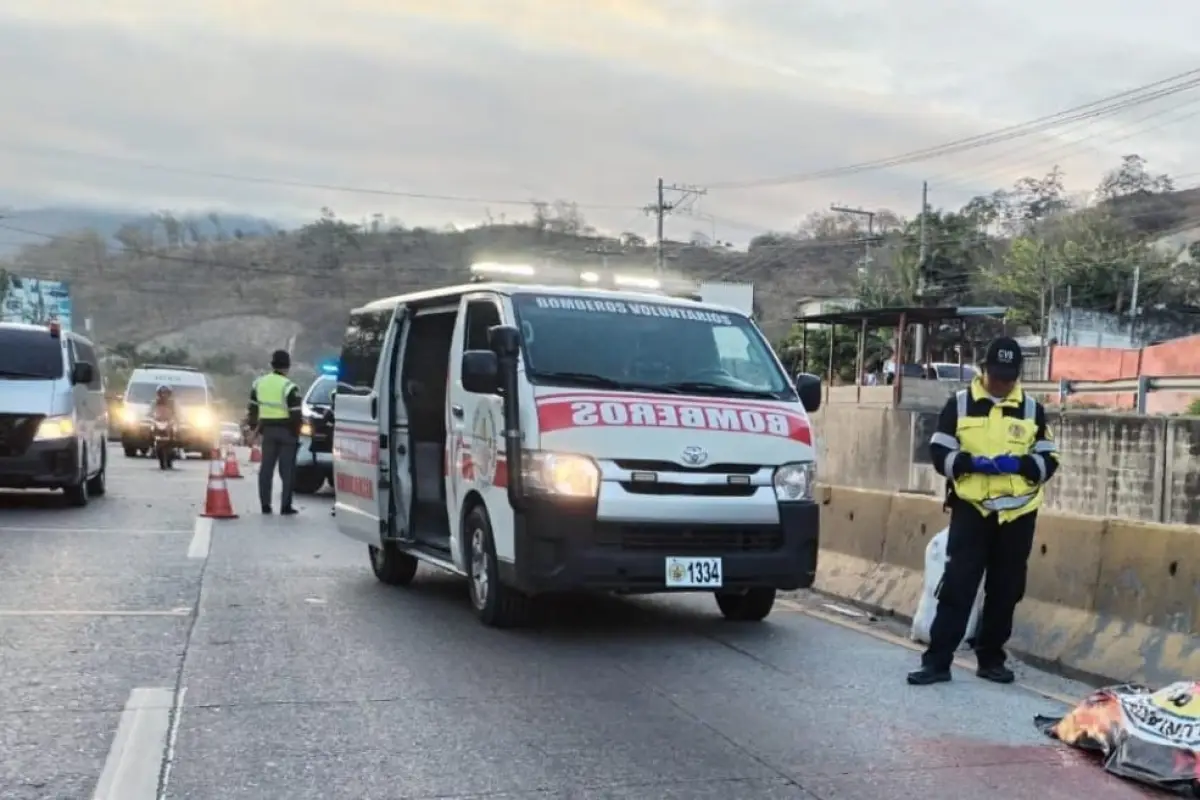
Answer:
(1114, 465)
(1119, 599)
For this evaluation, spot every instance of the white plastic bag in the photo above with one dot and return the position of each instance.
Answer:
(935, 566)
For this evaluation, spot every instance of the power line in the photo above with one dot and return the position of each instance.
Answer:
(1105, 106)
(1040, 155)
(327, 187)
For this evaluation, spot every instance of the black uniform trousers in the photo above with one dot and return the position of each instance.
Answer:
(979, 544)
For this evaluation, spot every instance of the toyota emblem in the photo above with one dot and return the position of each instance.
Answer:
(694, 456)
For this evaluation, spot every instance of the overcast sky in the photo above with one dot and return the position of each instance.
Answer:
(589, 100)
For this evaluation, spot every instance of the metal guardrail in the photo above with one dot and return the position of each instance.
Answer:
(1140, 387)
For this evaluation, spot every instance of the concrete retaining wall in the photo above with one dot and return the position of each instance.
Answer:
(1118, 599)
(1114, 465)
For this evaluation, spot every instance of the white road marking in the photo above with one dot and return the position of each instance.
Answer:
(135, 758)
(173, 737)
(201, 538)
(843, 610)
(11, 529)
(174, 612)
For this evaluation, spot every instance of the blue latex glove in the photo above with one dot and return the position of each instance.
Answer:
(984, 466)
(1007, 465)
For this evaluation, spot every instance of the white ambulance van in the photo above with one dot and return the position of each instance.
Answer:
(553, 438)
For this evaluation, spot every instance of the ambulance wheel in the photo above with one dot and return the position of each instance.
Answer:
(750, 605)
(391, 566)
(497, 605)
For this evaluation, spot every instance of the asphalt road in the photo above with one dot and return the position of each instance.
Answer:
(264, 661)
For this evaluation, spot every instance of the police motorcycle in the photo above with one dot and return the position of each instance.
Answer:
(163, 435)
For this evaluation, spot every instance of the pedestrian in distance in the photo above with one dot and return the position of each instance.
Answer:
(274, 413)
(996, 452)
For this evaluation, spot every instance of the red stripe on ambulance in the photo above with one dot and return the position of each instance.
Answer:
(559, 412)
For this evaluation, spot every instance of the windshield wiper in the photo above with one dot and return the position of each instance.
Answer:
(12, 373)
(718, 389)
(602, 382)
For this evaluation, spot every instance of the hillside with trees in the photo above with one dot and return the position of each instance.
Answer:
(1019, 246)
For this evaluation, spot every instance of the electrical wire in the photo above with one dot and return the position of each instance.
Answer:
(1096, 109)
(47, 152)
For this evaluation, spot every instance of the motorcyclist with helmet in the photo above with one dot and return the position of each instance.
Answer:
(164, 407)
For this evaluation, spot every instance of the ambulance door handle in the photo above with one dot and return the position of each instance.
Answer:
(457, 411)
(374, 407)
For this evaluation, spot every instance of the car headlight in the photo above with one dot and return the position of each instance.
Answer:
(306, 429)
(129, 416)
(201, 418)
(563, 474)
(55, 428)
(795, 481)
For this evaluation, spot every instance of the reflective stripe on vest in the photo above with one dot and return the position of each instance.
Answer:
(1010, 496)
(272, 392)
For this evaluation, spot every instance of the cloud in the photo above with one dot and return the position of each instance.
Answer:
(587, 101)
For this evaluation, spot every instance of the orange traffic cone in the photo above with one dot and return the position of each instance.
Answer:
(217, 504)
(231, 464)
(255, 453)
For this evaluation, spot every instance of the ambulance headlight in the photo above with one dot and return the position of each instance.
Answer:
(795, 481)
(129, 416)
(306, 429)
(562, 474)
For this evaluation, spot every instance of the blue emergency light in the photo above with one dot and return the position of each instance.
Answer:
(328, 368)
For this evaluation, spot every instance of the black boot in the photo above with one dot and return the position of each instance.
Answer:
(926, 676)
(996, 673)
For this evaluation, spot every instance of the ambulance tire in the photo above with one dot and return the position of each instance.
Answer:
(391, 566)
(497, 605)
(751, 605)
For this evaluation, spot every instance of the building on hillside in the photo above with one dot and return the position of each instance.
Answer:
(813, 306)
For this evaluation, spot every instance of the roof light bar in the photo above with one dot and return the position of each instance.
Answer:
(490, 268)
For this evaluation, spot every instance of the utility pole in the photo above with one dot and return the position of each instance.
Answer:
(661, 208)
(922, 255)
(861, 212)
(1133, 296)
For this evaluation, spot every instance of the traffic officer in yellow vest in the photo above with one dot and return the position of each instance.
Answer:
(274, 411)
(997, 452)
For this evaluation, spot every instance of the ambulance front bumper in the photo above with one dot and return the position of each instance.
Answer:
(560, 548)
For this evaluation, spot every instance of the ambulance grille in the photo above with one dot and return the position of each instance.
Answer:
(689, 540)
(646, 465)
(666, 488)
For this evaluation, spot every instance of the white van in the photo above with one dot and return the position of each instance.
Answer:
(541, 439)
(199, 428)
(53, 415)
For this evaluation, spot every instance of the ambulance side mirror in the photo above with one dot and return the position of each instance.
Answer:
(481, 372)
(505, 341)
(808, 386)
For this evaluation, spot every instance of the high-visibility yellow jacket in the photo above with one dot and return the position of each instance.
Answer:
(974, 424)
(275, 400)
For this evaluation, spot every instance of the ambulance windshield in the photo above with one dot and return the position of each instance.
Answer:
(617, 344)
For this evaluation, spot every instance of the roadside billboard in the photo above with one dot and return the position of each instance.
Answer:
(34, 300)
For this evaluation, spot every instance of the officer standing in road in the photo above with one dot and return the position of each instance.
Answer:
(274, 411)
(996, 452)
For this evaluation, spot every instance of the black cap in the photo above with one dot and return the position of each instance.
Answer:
(1003, 359)
(281, 360)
